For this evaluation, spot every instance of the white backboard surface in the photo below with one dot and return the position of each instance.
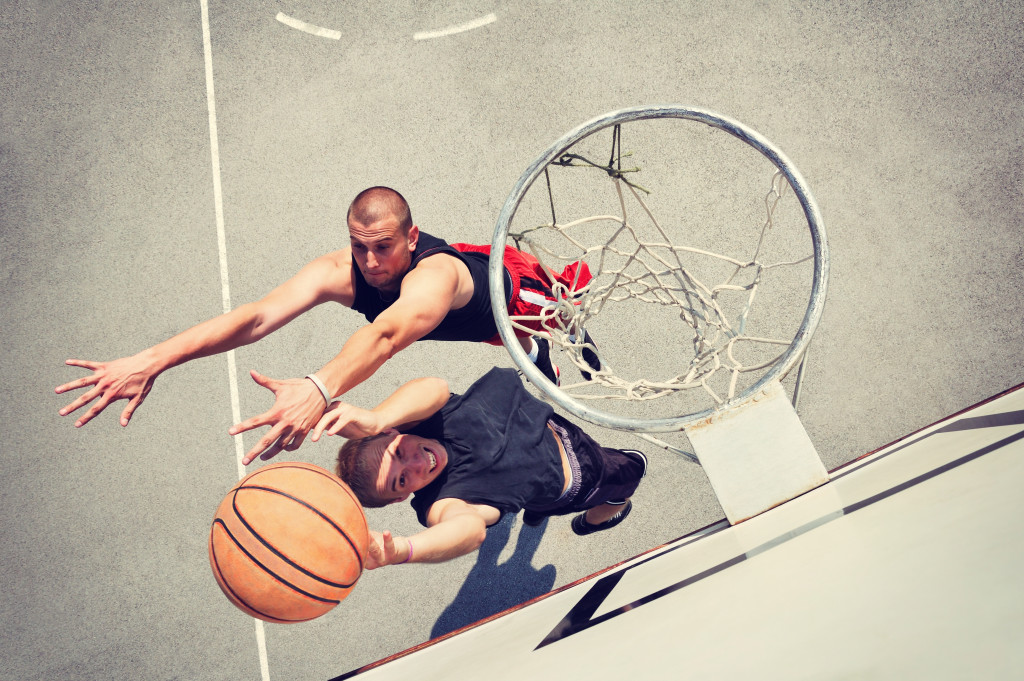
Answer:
(904, 565)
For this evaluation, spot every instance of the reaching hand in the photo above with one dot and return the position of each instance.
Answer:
(128, 378)
(298, 405)
(382, 551)
(348, 421)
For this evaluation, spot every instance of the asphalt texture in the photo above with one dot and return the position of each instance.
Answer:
(904, 118)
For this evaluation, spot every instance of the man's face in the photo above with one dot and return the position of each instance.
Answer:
(407, 463)
(382, 252)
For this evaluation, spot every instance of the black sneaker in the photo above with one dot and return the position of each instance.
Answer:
(590, 357)
(544, 363)
(581, 527)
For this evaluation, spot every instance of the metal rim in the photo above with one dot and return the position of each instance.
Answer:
(801, 338)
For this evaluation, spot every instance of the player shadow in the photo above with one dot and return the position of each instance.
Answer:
(491, 587)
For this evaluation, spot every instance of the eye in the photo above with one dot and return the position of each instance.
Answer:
(401, 481)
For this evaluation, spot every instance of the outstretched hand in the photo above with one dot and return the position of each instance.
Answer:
(382, 550)
(348, 421)
(298, 405)
(128, 378)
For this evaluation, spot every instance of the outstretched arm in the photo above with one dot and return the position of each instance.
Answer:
(427, 294)
(411, 403)
(131, 378)
(455, 529)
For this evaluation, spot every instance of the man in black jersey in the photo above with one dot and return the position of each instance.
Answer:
(409, 285)
(470, 458)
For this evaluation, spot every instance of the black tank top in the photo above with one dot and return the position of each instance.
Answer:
(472, 322)
(500, 450)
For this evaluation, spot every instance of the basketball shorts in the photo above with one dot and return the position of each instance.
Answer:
(530, 284)
(601, 475)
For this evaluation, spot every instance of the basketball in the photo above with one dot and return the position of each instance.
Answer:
(288, 542)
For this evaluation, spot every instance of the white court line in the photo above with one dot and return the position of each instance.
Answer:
(468, 26)
(308, 28)
(218, 203)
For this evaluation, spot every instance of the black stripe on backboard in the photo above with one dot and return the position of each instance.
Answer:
(1009, 418)
(581, 617)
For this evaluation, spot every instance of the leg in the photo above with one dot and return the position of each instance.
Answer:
(609, 503)
(539, 351)
(603, 513)
(603, 517)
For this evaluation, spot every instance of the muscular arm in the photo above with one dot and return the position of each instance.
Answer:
(455, 529)
(428, 292)
(411, 403)
(427, 295)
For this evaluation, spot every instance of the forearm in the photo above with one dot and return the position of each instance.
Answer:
(447, 540)
(365, 351)
(222, 333)
(415, 401)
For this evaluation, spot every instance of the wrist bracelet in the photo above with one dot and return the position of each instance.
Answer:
(320, 386)
(409, 557)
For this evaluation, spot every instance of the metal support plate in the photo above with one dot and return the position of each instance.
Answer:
(757, 455)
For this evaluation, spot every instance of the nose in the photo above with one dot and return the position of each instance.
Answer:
(418, 464)
(415, 461)
(371, 260)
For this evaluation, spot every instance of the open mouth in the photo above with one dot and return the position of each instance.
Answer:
(433, 460)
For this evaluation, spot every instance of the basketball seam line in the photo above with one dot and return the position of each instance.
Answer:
(298, 465)
(283, 557)
(267, 571)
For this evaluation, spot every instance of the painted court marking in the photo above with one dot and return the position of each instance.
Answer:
(218, 204)
(312, 29)
(461, 28)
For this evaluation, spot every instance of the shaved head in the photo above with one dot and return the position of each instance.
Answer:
(378, 203)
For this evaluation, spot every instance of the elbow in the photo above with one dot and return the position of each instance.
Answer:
(384, 341)
(474, 535)
(478, 539)
(387, 348)
(381, 345)
(253, 324)
(438, 387)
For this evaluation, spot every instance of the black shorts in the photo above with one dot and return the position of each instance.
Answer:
(601, 475)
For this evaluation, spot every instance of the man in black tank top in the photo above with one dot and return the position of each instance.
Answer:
(470, 458)
(472, 322)
(411, 286)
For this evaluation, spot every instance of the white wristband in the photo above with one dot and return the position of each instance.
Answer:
(320, 386)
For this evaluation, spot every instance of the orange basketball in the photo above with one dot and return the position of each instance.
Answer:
(288, 542)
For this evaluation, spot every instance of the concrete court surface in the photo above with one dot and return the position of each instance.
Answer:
(904, 118)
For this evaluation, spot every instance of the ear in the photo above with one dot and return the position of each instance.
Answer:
(414, 237)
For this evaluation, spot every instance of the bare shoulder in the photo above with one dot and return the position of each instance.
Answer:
(441, 273)
(441, 262)
(334, 270)
(339, 259)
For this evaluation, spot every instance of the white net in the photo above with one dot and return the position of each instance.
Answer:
(702, 261)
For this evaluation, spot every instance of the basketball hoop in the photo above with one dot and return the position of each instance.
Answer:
(684, 317)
